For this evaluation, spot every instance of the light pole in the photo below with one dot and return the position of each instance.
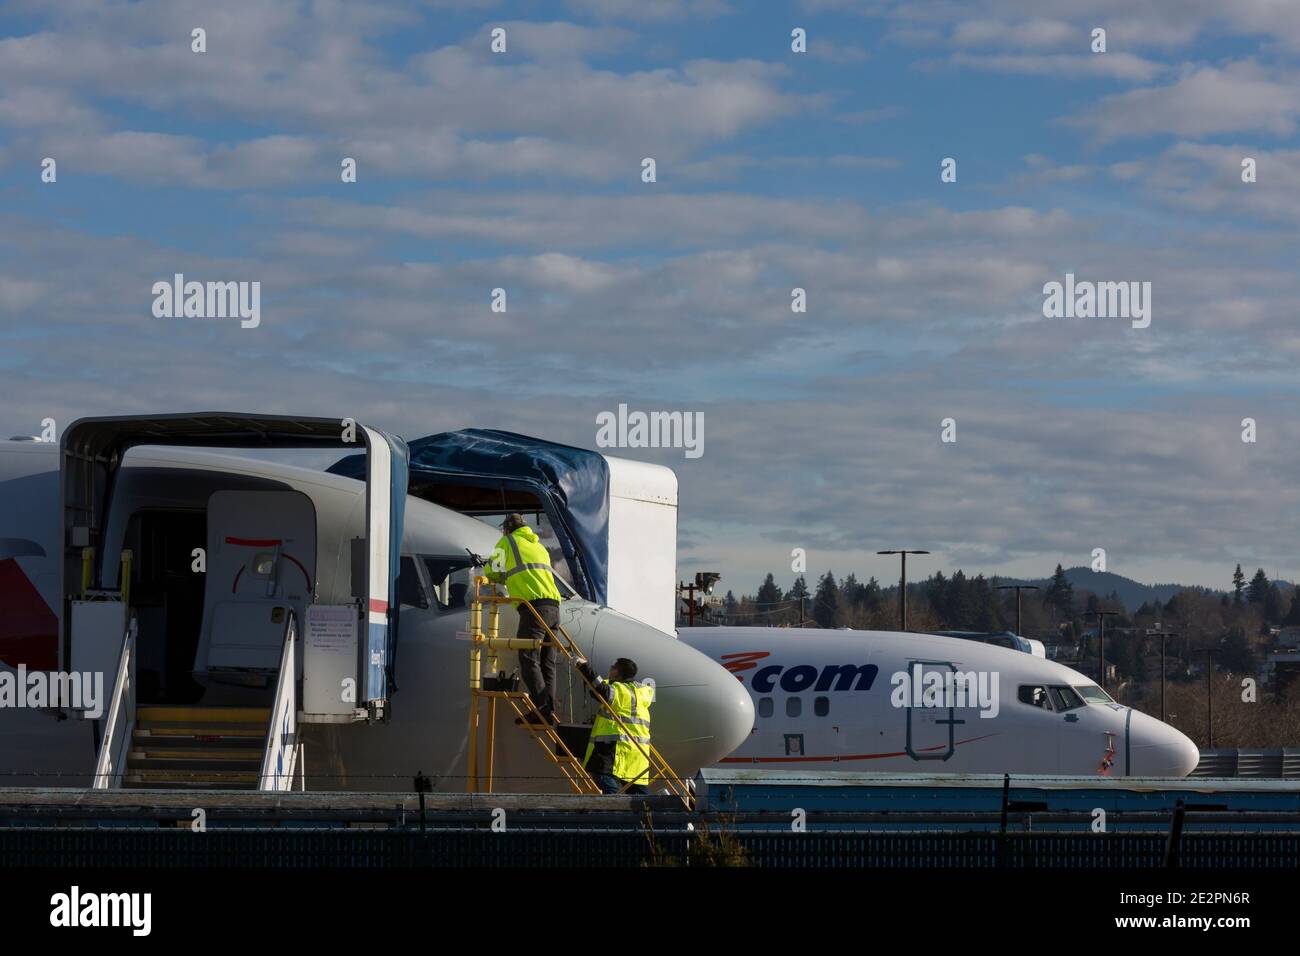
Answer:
(1101, 643)
(704, 581)
(902, 586)
(1018, 588)
(1209, 696)
(1160, 629)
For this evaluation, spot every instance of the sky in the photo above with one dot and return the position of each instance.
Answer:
(775, 170)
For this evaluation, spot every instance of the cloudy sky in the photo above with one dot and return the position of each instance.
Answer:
(775, 170)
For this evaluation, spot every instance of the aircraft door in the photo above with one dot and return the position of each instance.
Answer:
(261, 563)
(932, 720)
(387, 468)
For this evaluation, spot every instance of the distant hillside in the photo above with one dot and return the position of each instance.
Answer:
(1132, 594)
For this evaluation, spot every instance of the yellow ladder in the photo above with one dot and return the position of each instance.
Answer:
(545, 734)
(542, 731)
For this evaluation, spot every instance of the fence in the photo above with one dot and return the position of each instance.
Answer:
(349, 848)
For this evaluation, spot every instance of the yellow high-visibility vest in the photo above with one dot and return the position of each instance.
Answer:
(632, 704)
(522, 562)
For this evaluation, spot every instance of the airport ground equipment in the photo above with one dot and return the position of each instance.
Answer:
(485, 641)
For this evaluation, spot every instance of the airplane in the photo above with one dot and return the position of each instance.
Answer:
(848, 700)
(1070, 726)
(1026, 645)
(208, 645)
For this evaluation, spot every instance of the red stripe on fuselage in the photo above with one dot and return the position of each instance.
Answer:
(29, 630)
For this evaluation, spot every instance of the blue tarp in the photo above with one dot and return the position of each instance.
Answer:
(572, 485)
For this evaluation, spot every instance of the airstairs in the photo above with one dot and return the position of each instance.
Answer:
(197, 748)
(200, 747)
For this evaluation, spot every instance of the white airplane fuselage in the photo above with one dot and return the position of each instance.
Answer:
(699, 716)
(849, 700)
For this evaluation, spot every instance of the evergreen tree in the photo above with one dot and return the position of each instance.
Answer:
(851, 592)
(798, 598)
(1238, 585)
(767, 602)
(1273, 605)
(1257, 592)
(987, 615)
(936, 590)
(769, 595)
(826, 604)
(961, 603)
(1235, 653)
(1060, 593)
(1292, 618)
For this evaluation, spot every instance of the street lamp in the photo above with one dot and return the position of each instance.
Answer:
(704, 582)
(1209, 694)
(1017, 588)
(1160, 629)
(902, 586)
(1101, 642)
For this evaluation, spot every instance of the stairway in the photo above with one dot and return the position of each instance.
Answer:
(197, 748)
(551, 740)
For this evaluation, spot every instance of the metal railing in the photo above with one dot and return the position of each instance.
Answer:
(119, 722)
(1278, 763)
(660, 772)
(280, 756)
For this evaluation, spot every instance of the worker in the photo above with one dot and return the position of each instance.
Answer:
(617, 757)
(523, 564)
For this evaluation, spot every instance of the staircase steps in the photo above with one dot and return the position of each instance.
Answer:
(197, 748)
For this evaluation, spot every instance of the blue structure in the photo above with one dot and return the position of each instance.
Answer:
(974, 801)
(485, 471)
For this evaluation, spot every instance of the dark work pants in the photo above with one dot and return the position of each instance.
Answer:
(537, 668)
(610, 784)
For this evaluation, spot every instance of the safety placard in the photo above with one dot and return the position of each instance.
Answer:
(329, 661)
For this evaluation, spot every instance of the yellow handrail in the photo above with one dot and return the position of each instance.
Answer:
(661, 768)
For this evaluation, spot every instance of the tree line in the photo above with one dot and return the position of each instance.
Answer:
(1214, 636)
(1235, 624)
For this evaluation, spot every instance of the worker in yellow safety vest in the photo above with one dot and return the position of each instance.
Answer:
(522, 563)
(617, 755)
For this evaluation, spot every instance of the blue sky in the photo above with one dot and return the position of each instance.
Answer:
(775, 170)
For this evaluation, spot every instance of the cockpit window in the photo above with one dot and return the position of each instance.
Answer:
(1065, 698)
(410, 590)
(1035, 696)
(1093, 694)
(451, 578)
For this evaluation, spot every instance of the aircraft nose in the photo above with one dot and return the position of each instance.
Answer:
(1158, 750)
(701, 712)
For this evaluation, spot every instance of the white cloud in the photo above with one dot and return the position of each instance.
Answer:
(1204, 101)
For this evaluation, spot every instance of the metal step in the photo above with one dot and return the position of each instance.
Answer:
(201, 714)
(196, 747)
(191, 780)
(214, 759)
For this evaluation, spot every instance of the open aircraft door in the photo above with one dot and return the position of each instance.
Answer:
(386, 478)
(359, 639)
